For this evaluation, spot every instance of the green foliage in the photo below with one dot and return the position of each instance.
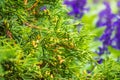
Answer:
(40, 44)
(109, 70)
(44, 44)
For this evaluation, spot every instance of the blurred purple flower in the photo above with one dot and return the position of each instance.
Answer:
(106, 19)
(43, 8)
(105, 16)
(78, 7)
(116, 39)
(118, 5)
(102, 50)
(100, 61)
